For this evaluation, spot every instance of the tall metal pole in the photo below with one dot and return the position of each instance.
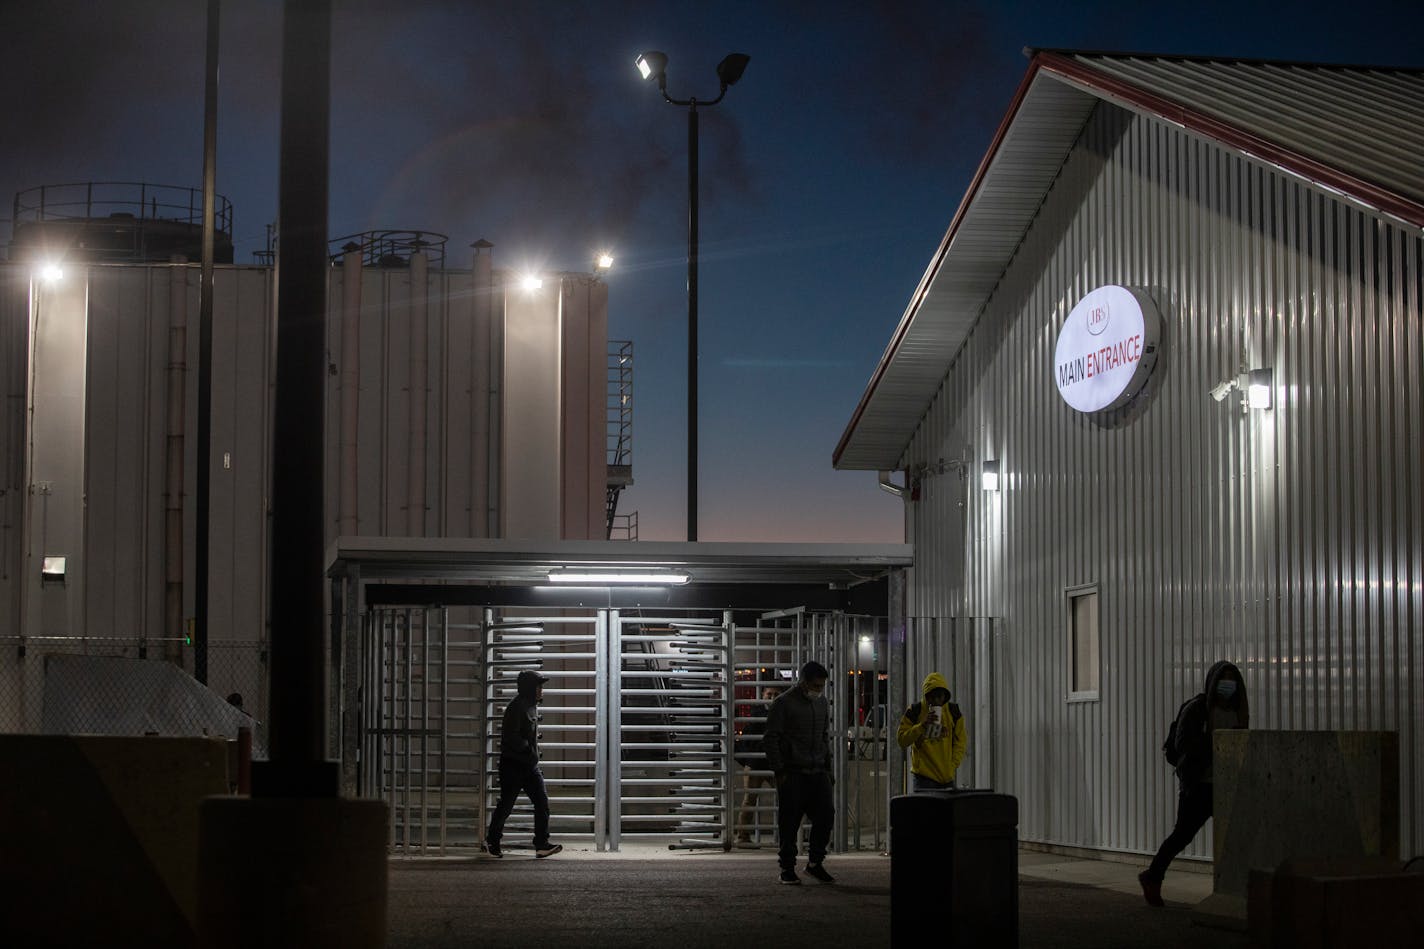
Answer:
(205, 351)
(297, 743)
(692, 321)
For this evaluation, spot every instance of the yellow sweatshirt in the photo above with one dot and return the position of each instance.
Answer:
(937, 758)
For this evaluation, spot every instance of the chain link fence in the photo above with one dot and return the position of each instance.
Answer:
(68, 685)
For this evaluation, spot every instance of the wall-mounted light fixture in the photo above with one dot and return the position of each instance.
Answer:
(601, 577)
(1258, 388)
(531, 282)
(989, 476)
(52, 570)
(1255, 385)
(604, 262)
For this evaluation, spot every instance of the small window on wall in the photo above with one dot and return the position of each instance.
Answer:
(1083, 658)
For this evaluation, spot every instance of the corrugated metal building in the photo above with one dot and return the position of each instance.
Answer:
(99, 431)
(1268, 216)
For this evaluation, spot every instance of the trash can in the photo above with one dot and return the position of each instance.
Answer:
(956, 850)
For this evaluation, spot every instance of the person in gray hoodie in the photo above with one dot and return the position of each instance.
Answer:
(797, 743)
(1221, 704)
(519, 766)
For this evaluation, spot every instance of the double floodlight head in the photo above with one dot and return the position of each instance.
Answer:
(653, 65)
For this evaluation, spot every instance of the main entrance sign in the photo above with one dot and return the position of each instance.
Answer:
(1106, 348)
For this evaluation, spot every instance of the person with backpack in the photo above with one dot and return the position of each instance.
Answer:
(1221, 704)
(934, 731)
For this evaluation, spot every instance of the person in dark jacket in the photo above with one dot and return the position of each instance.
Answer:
(798, 751)
(519, 766)
(1224, 706)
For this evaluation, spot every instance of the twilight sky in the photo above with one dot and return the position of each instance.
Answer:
(828, 174)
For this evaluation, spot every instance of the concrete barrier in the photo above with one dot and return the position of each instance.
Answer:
(99, 837)
(1342, 903)
(1283, 795)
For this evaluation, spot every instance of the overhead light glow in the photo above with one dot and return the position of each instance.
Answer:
(990, 476)
(1258, 389)
(600, 577)
(605, 261)
(531, 281)
(50, 273)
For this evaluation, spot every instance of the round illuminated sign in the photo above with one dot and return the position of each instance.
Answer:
(1106, 349)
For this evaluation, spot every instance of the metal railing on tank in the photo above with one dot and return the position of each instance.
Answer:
(391, 248)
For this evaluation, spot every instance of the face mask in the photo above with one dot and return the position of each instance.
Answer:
(814, 693)
(1226, 688)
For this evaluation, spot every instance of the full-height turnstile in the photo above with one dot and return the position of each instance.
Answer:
(638, 724)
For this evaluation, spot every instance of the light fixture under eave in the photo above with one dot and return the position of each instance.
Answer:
(1258, 388)
(600, 577)
(989, 477)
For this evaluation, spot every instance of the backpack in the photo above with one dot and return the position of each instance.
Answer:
(1174, 749)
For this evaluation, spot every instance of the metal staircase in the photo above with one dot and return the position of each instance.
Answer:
(620, 438)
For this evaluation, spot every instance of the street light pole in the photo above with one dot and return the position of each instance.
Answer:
(653, 65)
(692, 230)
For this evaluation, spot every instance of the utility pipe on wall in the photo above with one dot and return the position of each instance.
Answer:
(347, 521)
(419, 370)
(173, 460)
(480, 389)
(899, 490)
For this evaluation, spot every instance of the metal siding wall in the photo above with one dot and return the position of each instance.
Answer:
(14, 343)
(1288, 541)
(119, 512)
(454, 298)
(242, 413)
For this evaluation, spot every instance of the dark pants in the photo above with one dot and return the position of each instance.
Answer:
(513, 779)
(1193, 809)
(804, 795)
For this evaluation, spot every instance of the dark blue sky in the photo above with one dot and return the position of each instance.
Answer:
(828, 175)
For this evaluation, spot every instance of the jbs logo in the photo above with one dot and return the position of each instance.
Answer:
(1097, 319)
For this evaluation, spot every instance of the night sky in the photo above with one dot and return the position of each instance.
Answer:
(828, 174)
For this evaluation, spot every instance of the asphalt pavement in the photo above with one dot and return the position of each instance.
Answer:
(692, 899)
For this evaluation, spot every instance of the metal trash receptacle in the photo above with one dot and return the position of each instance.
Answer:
(955, 850)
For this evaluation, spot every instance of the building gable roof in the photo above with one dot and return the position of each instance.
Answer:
(1355, 132)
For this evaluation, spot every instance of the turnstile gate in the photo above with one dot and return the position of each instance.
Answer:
(638, 731)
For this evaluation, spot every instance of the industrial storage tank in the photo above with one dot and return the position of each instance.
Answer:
(116, 221)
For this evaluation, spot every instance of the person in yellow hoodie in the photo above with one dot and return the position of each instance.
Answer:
(935, 730)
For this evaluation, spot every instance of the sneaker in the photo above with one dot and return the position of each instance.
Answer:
(1151, 889)
(819, 872)
(493, 849)
(789, 876)
(548, 850)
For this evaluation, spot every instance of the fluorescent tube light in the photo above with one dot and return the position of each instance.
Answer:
(599, 577)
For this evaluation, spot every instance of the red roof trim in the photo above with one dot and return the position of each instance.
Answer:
(1379, 198)
(1382, 199)
(933, 269)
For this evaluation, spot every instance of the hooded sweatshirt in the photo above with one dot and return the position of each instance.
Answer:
(936, 757)
(519, 732)
(1200, 722)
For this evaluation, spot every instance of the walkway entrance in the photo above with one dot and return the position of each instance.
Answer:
(640, 721)
(650, 686)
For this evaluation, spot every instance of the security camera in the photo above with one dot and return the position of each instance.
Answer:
(1222, 389)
